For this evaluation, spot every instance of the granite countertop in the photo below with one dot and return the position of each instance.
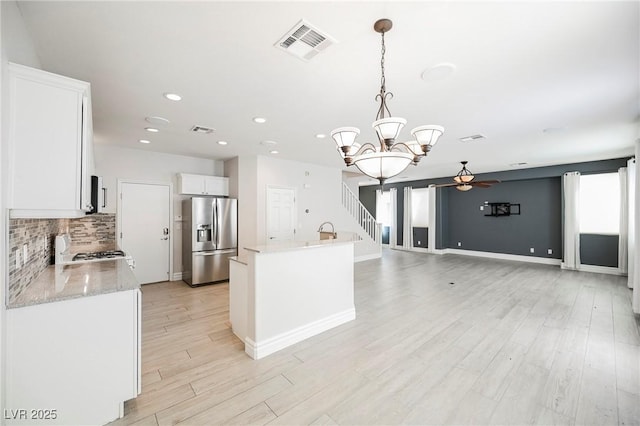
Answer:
(296, 245)
(63, 282)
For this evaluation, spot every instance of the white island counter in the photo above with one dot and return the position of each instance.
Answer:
(281, 294)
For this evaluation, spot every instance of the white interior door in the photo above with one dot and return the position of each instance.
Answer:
(144, 218)
(281, 217)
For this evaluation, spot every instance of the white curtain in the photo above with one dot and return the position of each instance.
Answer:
(431, 239)
(393, 227)
(624, 222)
(571, 196)
(631, 224)
(407, 225)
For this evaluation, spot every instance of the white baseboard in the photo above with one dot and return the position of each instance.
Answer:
(177, 276)
(503, 256)
(367, 257)
(257, 350)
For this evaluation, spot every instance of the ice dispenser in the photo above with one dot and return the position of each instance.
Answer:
(204, 233)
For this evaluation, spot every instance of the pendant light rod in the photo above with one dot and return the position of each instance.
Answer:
(382, 26)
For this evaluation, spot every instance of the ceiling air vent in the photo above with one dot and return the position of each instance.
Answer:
(202, 129)
(304, 41)
(472, 138)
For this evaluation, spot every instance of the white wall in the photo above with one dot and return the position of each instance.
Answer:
(231, 171)
(247, 198)
(16, 46)
(113, 163)
(318, 199)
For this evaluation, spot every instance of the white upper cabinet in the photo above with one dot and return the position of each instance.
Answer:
(50, 144)
(203, 185)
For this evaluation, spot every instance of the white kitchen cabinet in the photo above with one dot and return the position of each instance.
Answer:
(74, 361)
(50, 144)
(203, 185)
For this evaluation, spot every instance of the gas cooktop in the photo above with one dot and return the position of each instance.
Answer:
(97, 255)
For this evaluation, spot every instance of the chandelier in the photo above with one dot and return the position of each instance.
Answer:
(390, 158)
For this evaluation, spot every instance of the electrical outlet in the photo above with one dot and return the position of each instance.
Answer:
(481, 208)
(18, 263)
(418, 242)
(532, 250)
(549, 251)
(25, 253)
(459, 244)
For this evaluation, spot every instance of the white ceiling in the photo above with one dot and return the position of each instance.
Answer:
(521, 67)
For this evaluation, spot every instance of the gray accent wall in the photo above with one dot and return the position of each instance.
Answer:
(539, 193)
(538, 226)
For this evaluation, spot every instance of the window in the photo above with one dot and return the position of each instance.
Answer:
(383, 208)
(420, 208)
(600, 204)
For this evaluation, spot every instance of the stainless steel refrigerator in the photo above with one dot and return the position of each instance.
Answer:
(209, 238)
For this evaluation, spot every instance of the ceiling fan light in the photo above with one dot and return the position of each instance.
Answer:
(389, 128)
(345, 136)
(463, 178)
(427, 135)
(383, 165)
(464, 187)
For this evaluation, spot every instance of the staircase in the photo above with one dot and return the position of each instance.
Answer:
(357, 210)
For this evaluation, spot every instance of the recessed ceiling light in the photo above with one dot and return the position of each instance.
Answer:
(269, 143)
(151, 129)
(273, 151)
(321, 136)
(222, 142)
(157, 121)
(438, 72)
(259, 120)
(144, 141)
(172, 96)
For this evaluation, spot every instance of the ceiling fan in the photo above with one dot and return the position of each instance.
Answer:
(464, 180)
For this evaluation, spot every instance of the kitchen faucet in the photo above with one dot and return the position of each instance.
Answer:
(324, 235)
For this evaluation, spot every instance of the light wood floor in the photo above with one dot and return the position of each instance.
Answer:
(437, 340)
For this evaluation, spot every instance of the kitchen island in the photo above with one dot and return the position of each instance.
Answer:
(281, 294)
(73, 345)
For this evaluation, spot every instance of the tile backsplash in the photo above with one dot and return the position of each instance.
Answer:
(95, 232)
(90, 233)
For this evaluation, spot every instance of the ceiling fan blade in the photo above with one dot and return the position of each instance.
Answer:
(480, 184)
(484, 183)
(443, 185)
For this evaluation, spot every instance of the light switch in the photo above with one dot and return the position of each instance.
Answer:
(25, 253)
(18, 263)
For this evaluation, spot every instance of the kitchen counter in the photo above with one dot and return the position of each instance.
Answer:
(63, 282)
(295, 245)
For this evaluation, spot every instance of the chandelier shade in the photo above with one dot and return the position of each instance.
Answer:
(381, 165)
(389, 128)
(389, 158)
(345, 136)
(427, 136)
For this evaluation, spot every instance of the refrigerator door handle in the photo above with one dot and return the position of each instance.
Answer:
(214, 253)
(215, 223)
